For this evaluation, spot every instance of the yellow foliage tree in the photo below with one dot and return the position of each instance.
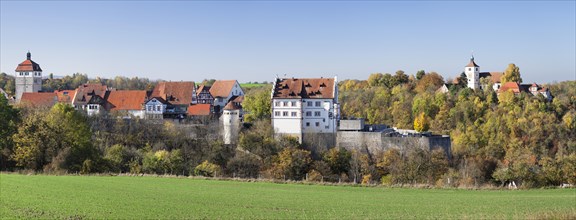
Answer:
(421, 123)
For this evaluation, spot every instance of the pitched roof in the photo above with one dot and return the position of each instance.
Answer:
(28, 65)
(494, 76)
(232, 106)
(39, 99)
(65, 96)
(202, 88)
(222, 88)
(85, 92)
(513, 86)
(161, 100)
(237, 99)
(472, 63)
(304, 88)
(177, 93)
(199, 109)
(126, 99)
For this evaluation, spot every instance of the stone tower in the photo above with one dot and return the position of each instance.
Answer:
(231, 120)
(472, 72)
(28, 77)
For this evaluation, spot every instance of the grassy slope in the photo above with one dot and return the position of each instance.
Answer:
(251, 85)
(150, 197)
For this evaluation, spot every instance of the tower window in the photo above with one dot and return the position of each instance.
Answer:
(469, 69)
(476, 68)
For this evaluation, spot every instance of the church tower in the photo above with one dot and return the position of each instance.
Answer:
(472, 72)
(28, 77)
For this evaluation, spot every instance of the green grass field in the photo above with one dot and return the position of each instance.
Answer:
(251, 85)
(101, 197)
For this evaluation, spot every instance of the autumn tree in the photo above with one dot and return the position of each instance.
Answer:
(511, 74)
(421, 123)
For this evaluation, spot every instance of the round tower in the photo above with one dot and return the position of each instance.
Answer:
(231, 119)
(472, 71)
(28, 77)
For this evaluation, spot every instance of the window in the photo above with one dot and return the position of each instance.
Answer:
(308, 113)
(293, 103)
(285, 113)
(469, 69)
(276, 103)
(293, 114)
(309, 103)
(307, 124)
(285, 103)
(317, 124)
(476, 68)
(317, 103)
(276, 113)
(149, 108)
(316, 113)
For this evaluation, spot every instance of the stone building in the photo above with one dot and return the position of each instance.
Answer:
(28, 77)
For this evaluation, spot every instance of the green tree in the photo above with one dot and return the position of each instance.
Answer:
(9, 119)
(257, 104)
(512, 74)
(338, 159)
(420, 74)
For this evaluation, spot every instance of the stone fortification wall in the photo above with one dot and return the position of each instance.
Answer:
(374, 142)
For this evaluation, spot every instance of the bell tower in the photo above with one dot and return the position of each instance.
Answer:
(472, 71)
(28, 77)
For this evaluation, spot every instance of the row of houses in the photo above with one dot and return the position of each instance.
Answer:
(473, 75)
(167, 99)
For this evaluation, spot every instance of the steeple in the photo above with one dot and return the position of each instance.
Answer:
(28, 55)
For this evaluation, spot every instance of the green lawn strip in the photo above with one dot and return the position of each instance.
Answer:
(41, 196)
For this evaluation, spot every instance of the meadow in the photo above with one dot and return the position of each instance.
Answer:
(251, 85)
(125, 197)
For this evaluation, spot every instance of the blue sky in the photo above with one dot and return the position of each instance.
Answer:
(257, 40)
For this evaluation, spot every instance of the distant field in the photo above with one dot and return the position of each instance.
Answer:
(251, 85)
(99, 197)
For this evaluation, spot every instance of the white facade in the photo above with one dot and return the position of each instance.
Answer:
(28, 77)
(235, 90)
(298, 116)
(92, 109)
(154, 109)
(473, 74)
(230, 120)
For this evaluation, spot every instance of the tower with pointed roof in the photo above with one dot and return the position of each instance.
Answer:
(472, 71)
(28, 77)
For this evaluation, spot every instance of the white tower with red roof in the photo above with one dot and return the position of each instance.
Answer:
(28, 77)
(472, 71)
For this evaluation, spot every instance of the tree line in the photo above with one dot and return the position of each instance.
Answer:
(496, 139)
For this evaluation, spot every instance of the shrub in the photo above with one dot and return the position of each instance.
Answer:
(207, 169)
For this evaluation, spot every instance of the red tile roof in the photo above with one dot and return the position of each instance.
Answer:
(28, 65)
(85, 92)
(127, 99)
(39, 99)
(177, 93)
(304, 88)
(472, 63)
(199, 109)
(494, 76)
(222, 88)
(232, 106)
(65, 96)
(513, 86)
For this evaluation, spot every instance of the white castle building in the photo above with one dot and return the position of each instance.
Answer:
(301, 106)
